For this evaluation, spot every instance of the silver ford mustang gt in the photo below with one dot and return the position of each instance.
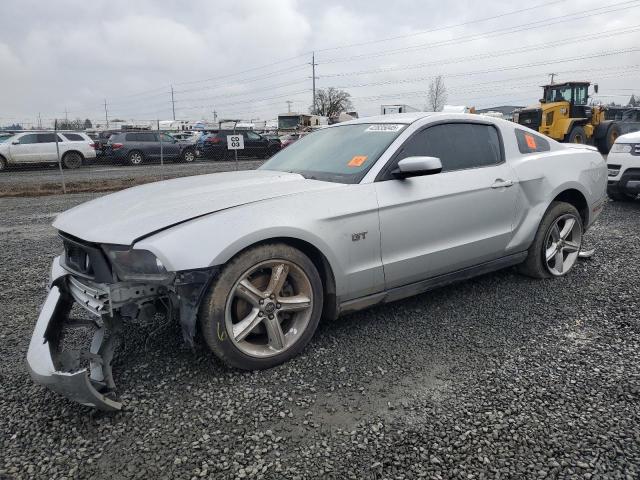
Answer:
(357, 214)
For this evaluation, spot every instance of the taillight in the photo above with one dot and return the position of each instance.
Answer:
(116, 146)
(212, 140)
(93, 145)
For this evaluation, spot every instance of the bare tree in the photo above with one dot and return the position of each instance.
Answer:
(331, 102)
(437, 95)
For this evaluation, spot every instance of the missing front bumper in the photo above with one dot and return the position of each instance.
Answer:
(45, 367)
(83, 374)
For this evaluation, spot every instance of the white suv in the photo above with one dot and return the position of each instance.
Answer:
(623, 163)
(40, 147)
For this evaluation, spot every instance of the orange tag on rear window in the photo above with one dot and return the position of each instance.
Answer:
(531, 141)
(357, 161)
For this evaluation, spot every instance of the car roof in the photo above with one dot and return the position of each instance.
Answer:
(409, 118)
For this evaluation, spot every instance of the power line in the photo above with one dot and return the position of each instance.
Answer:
(493, 33)
(439, 29)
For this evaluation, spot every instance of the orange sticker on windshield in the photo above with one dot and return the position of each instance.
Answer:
(531, 141)
(357, 161)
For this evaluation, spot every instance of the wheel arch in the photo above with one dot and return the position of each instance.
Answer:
(73, 151)
(576, 198)
(320, 261)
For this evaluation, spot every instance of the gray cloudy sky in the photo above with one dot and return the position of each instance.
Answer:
(73, 54)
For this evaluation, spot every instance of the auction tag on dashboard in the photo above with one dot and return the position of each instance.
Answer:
(385, 127)
(357, 161)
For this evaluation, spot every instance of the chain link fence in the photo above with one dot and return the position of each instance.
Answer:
(58, 161)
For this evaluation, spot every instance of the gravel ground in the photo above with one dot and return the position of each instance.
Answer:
(498, 377)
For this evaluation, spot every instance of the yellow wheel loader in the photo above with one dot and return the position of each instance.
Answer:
(565, 115)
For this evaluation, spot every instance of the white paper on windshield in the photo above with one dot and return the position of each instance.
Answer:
(385, 127)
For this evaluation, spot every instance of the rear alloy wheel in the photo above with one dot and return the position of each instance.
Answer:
(577, 135)
(557, 243)
(135, 158)
(264, 307)
(72, 160)
(188, 156)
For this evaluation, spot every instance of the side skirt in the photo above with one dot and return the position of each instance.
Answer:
(422, 286)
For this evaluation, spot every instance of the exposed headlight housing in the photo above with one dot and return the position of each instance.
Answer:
(621, 148)
(132, 264)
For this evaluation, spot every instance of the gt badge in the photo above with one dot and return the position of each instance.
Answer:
(358, 236)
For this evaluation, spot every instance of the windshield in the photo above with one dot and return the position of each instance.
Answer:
(338, 154)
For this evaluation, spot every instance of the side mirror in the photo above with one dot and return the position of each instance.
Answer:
(542, 100)
(417, 167)
(15, 142)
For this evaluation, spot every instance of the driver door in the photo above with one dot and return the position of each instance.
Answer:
(26, 150)
(436, 224)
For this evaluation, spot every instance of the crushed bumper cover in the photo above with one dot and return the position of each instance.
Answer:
(76, 385)
(84, 374)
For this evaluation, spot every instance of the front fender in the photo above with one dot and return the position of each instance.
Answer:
(326, 221)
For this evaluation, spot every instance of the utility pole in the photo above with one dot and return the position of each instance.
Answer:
(106, 113)
(553, 76)
(39, 121)
(289, 102)
(173, 104)
(66, 115)
(313, 76)
(215, 116)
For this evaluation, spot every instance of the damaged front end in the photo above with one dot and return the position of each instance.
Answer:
(93, 295)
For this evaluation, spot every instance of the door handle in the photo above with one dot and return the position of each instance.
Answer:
(499, 183)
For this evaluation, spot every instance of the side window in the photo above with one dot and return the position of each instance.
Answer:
(132, 137)
(28, 139)
(459, 146)
(48, 138)
(253, 136)
(530, 142)
(167, 138)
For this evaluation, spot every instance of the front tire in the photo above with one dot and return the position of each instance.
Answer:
(264, 307)
(577, 135)
(189, 155)
(557, 243)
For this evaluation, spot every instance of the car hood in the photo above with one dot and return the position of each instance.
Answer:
(632, 137)
(126, 216)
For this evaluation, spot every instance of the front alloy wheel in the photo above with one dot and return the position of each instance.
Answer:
(263, 308)
(269, 308)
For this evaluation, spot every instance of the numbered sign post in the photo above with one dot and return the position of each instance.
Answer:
(235, 142)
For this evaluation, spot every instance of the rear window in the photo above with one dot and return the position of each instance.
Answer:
(48, 138)
(530, 142)
(74, 137)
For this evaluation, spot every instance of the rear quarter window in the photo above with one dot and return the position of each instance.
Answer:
(73, 137)
(530, 142)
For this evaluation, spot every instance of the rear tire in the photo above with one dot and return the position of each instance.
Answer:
(72, 160)
(3, 164)
(135, 157)
(269, 329)
(577, 135)
(542, 256)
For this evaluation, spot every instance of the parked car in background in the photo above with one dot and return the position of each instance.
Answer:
(187, 137)
(40, 147)
(291, 138)
(356, 214)
(136, 148)
(623, 163)
(214, 145)
(100, 140)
